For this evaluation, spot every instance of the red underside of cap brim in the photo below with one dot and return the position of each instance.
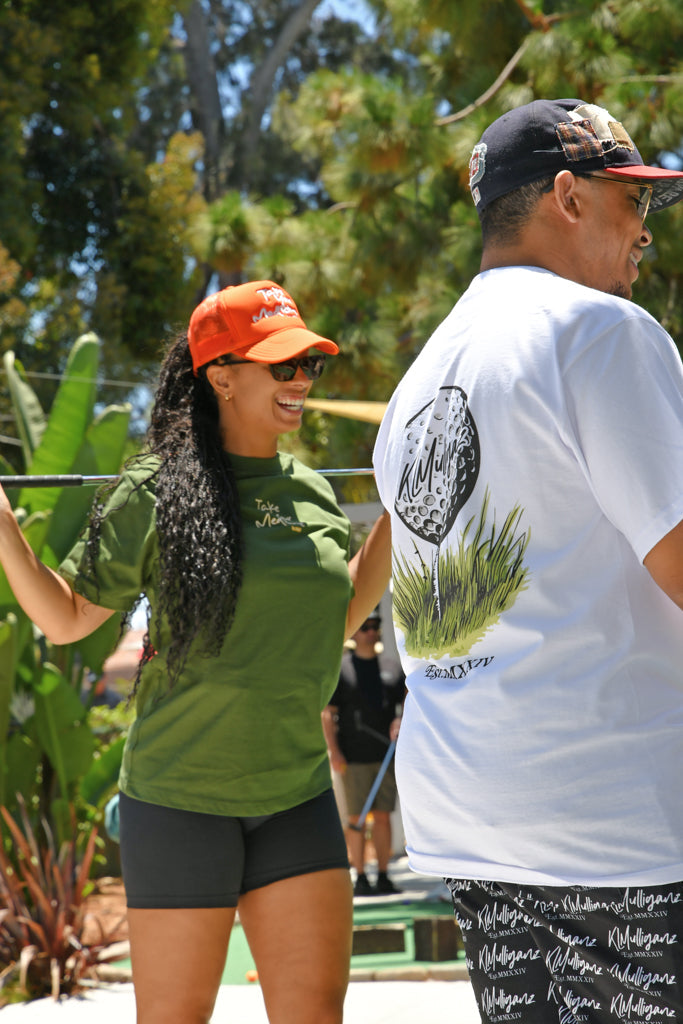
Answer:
(667, 186)
(644, 172)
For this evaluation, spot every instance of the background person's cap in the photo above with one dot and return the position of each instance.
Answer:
(546, 136)
(258, 321)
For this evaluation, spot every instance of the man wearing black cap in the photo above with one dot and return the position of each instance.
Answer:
(362, 718)
(532, 462)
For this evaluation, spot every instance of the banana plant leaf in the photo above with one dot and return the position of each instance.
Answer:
(8, 662)
(8, 658)
(22, 757)
(62, 728)
(6, 468)
(70, 416)
(30, 418)
(96, 786)
(101, 452)
(96, 648)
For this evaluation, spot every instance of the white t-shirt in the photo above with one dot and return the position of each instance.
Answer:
(534, 452)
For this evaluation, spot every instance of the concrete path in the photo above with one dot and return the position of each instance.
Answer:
(373, 1002)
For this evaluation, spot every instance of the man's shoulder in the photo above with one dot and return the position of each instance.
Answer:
(541, 286)
(583, 302)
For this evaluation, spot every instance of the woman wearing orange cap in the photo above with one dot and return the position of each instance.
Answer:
(242, 552)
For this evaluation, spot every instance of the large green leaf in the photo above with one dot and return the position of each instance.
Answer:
(70, 415)
(8, 662)
(63, 819)
(62, 727)
(96, 647)
(22, 757)
(5, 466)
(101, 453)
(8, 659)
(97, 785)
(30, 418)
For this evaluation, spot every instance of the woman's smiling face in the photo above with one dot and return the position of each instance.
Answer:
(254, 409)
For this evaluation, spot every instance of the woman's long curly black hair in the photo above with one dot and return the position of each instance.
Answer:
(198, 520)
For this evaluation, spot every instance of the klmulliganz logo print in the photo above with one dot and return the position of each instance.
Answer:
(446, 599)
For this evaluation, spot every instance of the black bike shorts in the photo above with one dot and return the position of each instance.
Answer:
(172, 858)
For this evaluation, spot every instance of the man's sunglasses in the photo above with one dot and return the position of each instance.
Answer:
(312, 366)
(644, 196)
(371, 624)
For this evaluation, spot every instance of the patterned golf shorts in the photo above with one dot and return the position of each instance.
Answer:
(575, 954)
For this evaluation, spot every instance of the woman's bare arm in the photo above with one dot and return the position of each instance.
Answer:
(665, 564)
(48, 600)
(370, 571)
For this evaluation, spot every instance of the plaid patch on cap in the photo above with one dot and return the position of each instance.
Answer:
(579, 140)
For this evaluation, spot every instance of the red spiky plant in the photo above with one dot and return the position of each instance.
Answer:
(42, 913)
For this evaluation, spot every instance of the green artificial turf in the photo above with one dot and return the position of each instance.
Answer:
(240, 961)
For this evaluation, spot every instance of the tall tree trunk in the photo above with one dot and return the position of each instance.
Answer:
(264, 76)
(206, 109)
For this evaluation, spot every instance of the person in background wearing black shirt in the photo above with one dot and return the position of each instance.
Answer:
(362, 718)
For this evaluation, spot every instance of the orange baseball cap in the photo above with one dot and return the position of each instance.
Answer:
(258, 321)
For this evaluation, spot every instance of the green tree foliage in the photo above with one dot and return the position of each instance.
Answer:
(327, 153)
(74, 194)
(394, 150)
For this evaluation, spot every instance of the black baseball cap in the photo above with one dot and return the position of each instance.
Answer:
(547, 136)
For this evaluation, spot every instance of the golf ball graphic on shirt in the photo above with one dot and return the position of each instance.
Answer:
(443, 467)
(445, 604)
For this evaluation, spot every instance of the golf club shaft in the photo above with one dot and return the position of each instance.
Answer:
(375, 786)
(76, 480)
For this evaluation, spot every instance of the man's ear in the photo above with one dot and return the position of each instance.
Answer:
(565, 192)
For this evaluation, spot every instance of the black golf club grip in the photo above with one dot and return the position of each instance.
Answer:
(66, 480)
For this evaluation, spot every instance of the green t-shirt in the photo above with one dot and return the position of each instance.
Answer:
(237, 734)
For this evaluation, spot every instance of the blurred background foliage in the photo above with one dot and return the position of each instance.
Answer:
(155, 150)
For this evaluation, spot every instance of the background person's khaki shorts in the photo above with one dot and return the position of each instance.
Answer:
(358, 780)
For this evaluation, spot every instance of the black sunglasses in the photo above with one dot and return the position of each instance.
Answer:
(371, 624)
(642, 202)
(644, 196)
(312, 366)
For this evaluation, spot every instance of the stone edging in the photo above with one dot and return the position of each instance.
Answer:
(439, 972)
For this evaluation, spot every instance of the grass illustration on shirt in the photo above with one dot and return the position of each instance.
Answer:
(444, 608)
